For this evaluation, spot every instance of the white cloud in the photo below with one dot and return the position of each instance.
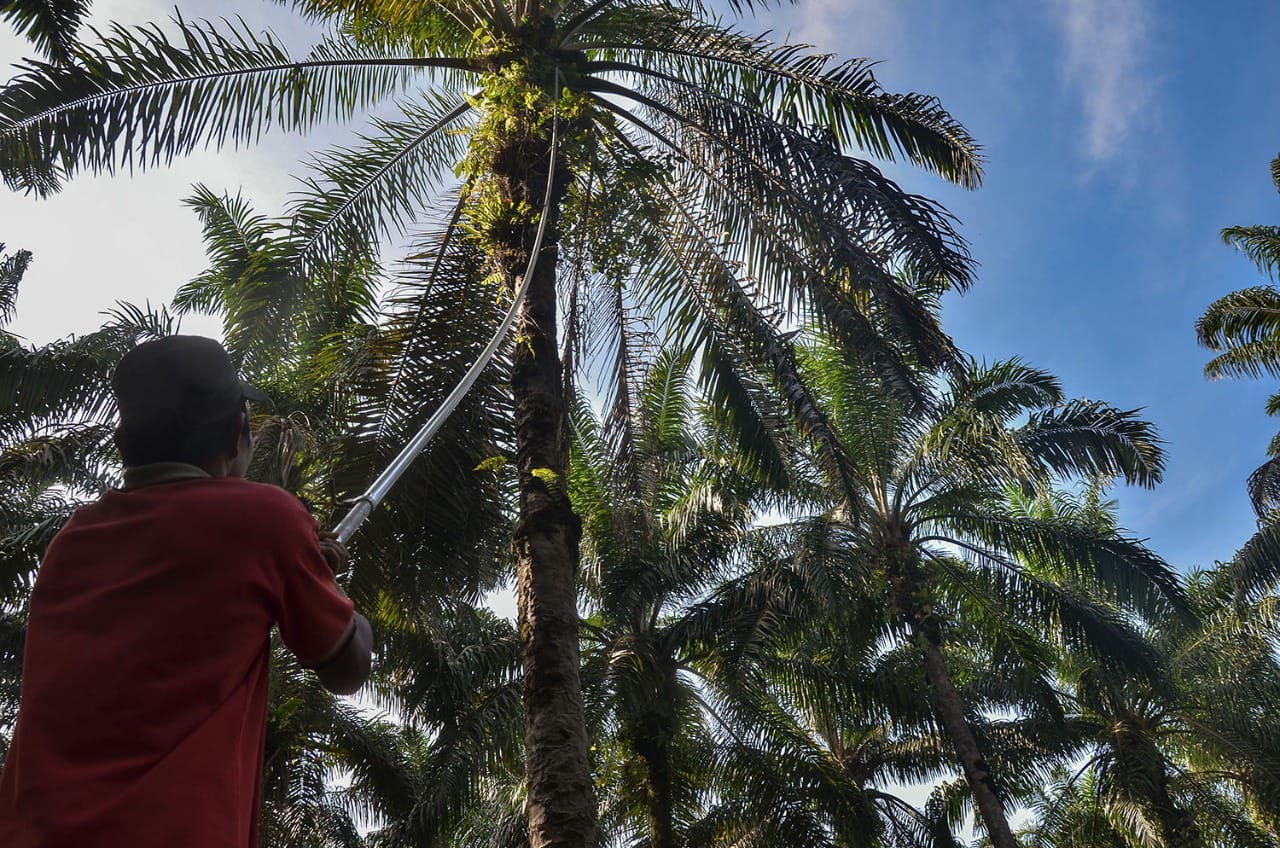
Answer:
(106, 239)
(846, 27)
(850, 27)
(1107, 60)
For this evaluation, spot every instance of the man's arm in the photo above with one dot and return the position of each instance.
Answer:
(349, 668)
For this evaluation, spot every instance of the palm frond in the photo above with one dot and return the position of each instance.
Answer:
(12, 267)
(1260, 243)
(1255, 568)
(1242, 316)
(139, 99)
(1264, 487)
(844, 96)
(1250, 359)
(50, 25)
(376, 189)
(1006, 389)
(1118, 568)
(1091, 439)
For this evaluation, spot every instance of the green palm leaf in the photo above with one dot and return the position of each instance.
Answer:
(48, 24)
(139, 99)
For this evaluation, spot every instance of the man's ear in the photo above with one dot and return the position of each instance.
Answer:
(243, 436)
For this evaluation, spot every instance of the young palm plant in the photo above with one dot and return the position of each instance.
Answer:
(736, 144)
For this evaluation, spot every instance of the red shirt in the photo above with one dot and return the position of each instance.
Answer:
(144, 688)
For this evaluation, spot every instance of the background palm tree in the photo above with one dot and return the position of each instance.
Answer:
(1182, 763)
(713, 130)
(922, 513)
(1243, 329)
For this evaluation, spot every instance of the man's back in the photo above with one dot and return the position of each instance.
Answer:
(145, 678)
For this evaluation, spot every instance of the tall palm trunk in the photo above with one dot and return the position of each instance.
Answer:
(1178, 828)
(657, 760)
(949, 707)
(561, 803)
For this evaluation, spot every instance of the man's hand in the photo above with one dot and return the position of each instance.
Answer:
(335, 553)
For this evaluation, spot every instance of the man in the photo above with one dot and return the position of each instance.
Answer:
(144, 688)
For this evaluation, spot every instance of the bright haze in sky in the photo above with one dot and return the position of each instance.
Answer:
(1120, 136)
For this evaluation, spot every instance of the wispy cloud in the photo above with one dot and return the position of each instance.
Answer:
(849, 27)
(1108, 61)
(846, 27)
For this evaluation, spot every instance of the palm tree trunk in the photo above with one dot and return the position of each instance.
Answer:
(561, 802)
(1177, 826)
(949, 707)
(662, 831)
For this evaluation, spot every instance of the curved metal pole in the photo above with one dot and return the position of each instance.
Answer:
(365, 504)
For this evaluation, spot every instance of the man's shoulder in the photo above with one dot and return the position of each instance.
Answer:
(256, 503)
(265, 495)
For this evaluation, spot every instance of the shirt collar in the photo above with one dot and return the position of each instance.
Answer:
(137, 476)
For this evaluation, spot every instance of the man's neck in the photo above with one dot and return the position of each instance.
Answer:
(138, 476)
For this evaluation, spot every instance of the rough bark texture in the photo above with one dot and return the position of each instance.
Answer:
(561, 801)
(657, 759)
(662, 807)
(949, 707)
(1178, 827)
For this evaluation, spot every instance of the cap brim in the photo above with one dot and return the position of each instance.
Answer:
(252, 392)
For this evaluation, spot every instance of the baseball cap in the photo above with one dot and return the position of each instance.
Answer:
(179, 381)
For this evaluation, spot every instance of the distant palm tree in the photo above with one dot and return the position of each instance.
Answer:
(820, 724)
(665, 502)
(925, 527)
(1243, 328)
(723, 153)
(1187, 762)
(1178, 759)
(1227, 676)
(697, 744)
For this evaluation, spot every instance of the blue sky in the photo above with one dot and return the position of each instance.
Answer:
(1120, 137)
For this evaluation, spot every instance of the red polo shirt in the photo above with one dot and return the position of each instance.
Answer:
(144, 687)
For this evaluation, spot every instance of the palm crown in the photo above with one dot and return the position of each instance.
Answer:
(924, 525)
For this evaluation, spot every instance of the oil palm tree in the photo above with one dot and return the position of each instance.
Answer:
(708, 129)
(1227, 673)
(922, 514)
(697, 742)
(665, 501)
(1179, 759)
(1188, 763)
(820, 726)
(1243, 329)
(1073, 811)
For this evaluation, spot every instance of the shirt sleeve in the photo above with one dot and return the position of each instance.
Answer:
(316, 619)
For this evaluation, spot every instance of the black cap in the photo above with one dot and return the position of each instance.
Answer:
(179, 381)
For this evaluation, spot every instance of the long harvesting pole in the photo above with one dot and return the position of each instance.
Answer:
(367, 502)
